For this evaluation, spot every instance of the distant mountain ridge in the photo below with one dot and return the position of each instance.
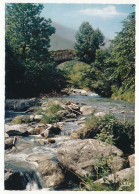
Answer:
(64, 38)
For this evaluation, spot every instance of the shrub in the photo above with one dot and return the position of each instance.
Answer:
(21, 119)
(90, 185)
(76, 73)
(17, 120)
(110, 130)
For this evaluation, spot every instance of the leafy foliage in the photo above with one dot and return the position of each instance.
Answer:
(28, 33)
(29, 70)
(76, 73)
(112, 131)
(91, 186)
(87, 41)
(113, 71)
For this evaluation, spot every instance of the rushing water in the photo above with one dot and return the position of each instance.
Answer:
(27, 148)
(121, 109)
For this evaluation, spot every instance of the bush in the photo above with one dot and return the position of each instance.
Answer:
(17, 120)
(29, 79)
(110, 130)
(76, 73)
(21, 119)
(126, 95)
(90, 185)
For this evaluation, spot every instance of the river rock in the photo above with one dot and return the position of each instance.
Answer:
(100, 114)
(120, 176)
(86, 110)
(40, 157)
(72, 106)
(17, 130)
(38, 117)
(63, 113)
(32, 131)
(80, 156)
(51, 131)
(50, 140)
(21, 104)
(40, 128)
(71, 115)
(44, 104)
(31, 117)
(75, 135)
(52, 173)
(42, 141)
(6, 135)
(131, 160)
(9, 142)
(78, 133)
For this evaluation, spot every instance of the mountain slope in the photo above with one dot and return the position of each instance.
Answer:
(60, 43)
(64, 38)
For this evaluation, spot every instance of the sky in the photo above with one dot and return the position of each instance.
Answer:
(106, 17)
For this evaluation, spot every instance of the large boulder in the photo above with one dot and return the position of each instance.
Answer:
(52, 173)
(17, 130)
(131, 160)
(120, 176)
(86, 110)
(40, 157)
(81, 156)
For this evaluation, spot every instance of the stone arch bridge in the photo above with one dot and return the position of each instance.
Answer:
(61, 56)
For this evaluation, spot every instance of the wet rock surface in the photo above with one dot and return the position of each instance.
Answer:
(82, 159)
(10, 142)
(86, 110)
(21, 104)
(20, 130)
(35, 148)
(131, 160)
(19, 174)
(120, 176)
(52, 173)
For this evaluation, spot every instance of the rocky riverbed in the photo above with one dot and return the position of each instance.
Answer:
(52, 156)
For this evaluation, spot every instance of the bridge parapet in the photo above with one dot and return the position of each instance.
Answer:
(60, 56)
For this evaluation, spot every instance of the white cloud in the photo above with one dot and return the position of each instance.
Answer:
(107, 12)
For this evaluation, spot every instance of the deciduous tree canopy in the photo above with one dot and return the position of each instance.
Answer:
(29, 69)
(27, 33)
(88, 41)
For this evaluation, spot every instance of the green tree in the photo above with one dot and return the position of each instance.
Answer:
(123, 54)
(88, 41)
(29, 69)
(113, 72)
(100, 73)
(27, 33)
